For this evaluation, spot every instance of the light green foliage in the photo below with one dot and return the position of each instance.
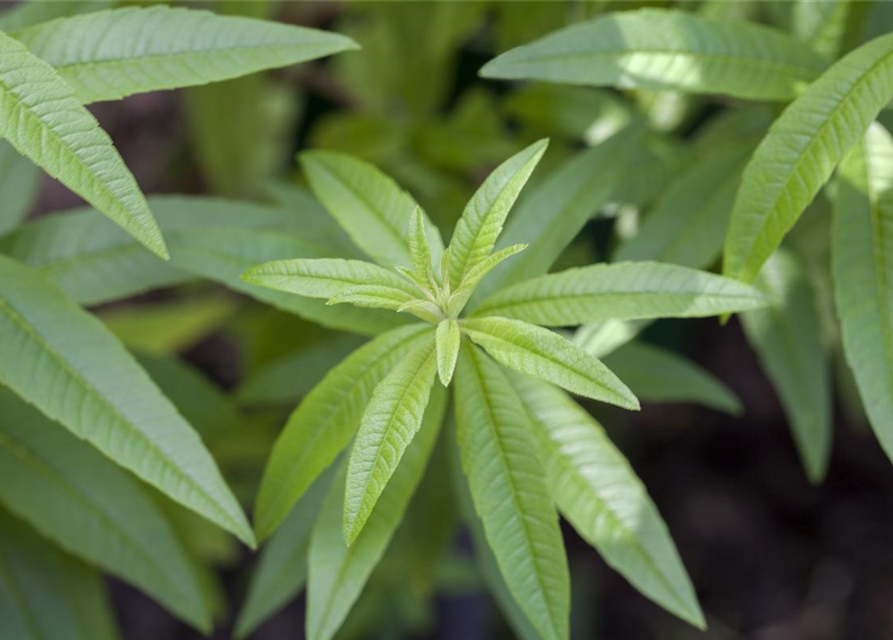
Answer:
(325, 422)
(112, 54)
(510, 495)
(30, 12)
(660, 49)
(788, 340)
(390, 422)
(606, 336)
(830, 27)
(598, 492)
(42, 119)
(337, 572)
(19, 179)
(621, 291)
(548, 356)
(800, 152)
(65, 362)
(863, 274)
(46, 594)
(79, 499)
(658, 375)
(448, 340)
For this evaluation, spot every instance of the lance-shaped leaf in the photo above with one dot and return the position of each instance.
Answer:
(281, 571)
(829, 27)
(133, 50)
(600, 494)
(19, 181)
(46, 594)
(605, 337)
(481, 223)
(620, 291)
(388, 426)
(787, 337)
(508, 486)
(448, 339)
(62, 360)
(665, 49)
(862, 252)
(42, 119)
(548, 356)
(373, 210)
(337, 572)
(800, 152)
(28, 12)
(658, 375)
(419, 250)
(476, 275)
(84, 503)
(325, 422)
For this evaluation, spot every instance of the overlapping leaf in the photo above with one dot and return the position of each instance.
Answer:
(19, 180)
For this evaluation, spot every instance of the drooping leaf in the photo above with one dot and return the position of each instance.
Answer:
(63, 361)
(337, 573)
(800, 152)
(482, 220)
(620, 291)
(863, 274)
(325, 422)
(667, 49)
(46, 594)
(19, 180)
(134, 50)
(599, 493)
(281, 571)
(510, 495)
(84, 503)
(390, 422)
(548, 356)
(42, 119)
(787, 338)
(658, 375)
(371, 207)
(448, 341)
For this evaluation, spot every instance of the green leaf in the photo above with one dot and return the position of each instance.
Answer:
(546, 355)
(134, 50)
(281, 571)
(31, 12)
(448, 340)
(658, 375)
(830, 27)
(63, 361)
(19, 181)
(787, 338)
(801, 150)
(337, 573)
(510, 495)
(687, 224)
(42, 119)
(481, 270)
(324, 423)
(390, 422)
(84, 503)
(666, 49)
(600, 494)
(605, 337)
(620, 291)
(481, 223)
(556, 210)
(418, 248)
(863, 274)
(373, 210)
(46, 594)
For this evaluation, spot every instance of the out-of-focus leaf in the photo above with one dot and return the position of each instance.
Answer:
(605, 337)
(658, 375)
(800, 152)
(29, 12)
(46, 594)
(315, 222)
(62, 360)
(665, 49)
(19, 180)
(325, 422)
(508, 487)
(863, 274)
(597, 490)
(620, 291)
(337, 572)
(42, 119)
(787, 338)
(831, 28)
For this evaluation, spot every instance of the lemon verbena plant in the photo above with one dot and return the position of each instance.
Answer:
(527, 450)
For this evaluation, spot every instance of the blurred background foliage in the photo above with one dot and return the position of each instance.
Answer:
(770, 555)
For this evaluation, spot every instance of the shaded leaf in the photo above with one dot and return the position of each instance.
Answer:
(19, 181)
